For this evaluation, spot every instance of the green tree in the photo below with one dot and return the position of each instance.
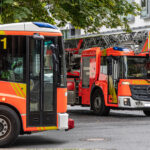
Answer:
(23, 10)
(90, 15)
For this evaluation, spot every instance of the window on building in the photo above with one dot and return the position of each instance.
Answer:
(145, 13)
(65, 33)
(130, 17)
(72, 32)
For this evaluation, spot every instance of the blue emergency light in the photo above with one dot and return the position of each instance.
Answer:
(44, 25)
(121, 49)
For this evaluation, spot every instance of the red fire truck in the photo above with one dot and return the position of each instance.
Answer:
(112, 78)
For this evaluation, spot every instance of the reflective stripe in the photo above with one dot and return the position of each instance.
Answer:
(51, 128)
(104, 52)
(12, 84)
(2, 33)
(146, 47)
(112, 90)
(10, 95)
(47, 128)
(23, 114)
(20, 89)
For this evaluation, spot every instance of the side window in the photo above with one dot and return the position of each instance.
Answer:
(62, 63)
(145, 13)
(130, 17)
(92, 68)
(12, 58)
(48, 61)
(103, 66)
(121, 68)
(85, 71)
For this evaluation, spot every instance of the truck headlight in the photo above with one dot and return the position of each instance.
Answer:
(66, 93)
(126, 83)
(126, 101)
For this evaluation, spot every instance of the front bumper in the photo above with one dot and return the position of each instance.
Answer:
(64, 122)
(130, 103)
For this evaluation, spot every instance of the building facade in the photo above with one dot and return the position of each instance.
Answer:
(136, 23)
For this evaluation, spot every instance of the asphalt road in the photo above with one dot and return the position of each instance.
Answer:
(122, 130)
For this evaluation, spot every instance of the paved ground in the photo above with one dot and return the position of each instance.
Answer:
(122, 130)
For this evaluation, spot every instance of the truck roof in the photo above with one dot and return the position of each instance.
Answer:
(117, 51)
(29, 26)
(114, 51)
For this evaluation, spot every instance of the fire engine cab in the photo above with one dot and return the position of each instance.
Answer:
(111, 78)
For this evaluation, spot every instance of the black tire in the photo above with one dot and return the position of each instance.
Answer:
(146, 112)
(9, 126)
(98, 104)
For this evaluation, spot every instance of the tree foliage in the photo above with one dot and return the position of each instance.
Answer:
(23, 10)
(90, 15)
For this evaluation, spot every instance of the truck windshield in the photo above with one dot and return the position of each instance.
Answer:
(136, 67)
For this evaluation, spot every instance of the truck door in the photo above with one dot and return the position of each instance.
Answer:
(113, 82)
(41, 86)
(88, 77)
(85, 80)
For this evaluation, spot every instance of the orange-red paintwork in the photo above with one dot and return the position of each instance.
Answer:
(111, 51)
(101, 80)
(145, 47)
(30, 33)
(94, 71)
(96, 78)
(14, 94)
(124, 90)
(149, 42)
(61, 100)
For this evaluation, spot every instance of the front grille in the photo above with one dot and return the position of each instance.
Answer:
(140, 92)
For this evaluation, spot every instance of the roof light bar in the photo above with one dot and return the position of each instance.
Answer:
(121, 49)
(118, 48)
(44, 25)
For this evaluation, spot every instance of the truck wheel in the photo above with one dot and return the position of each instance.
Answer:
(146, 112)
(9, 126)
(98, 104)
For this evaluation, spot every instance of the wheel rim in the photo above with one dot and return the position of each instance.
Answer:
(4, 127)
(97, 103)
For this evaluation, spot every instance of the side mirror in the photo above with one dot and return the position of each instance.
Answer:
(109, 62)
(38, 37)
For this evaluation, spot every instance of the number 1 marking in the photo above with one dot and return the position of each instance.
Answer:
(4, 40)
